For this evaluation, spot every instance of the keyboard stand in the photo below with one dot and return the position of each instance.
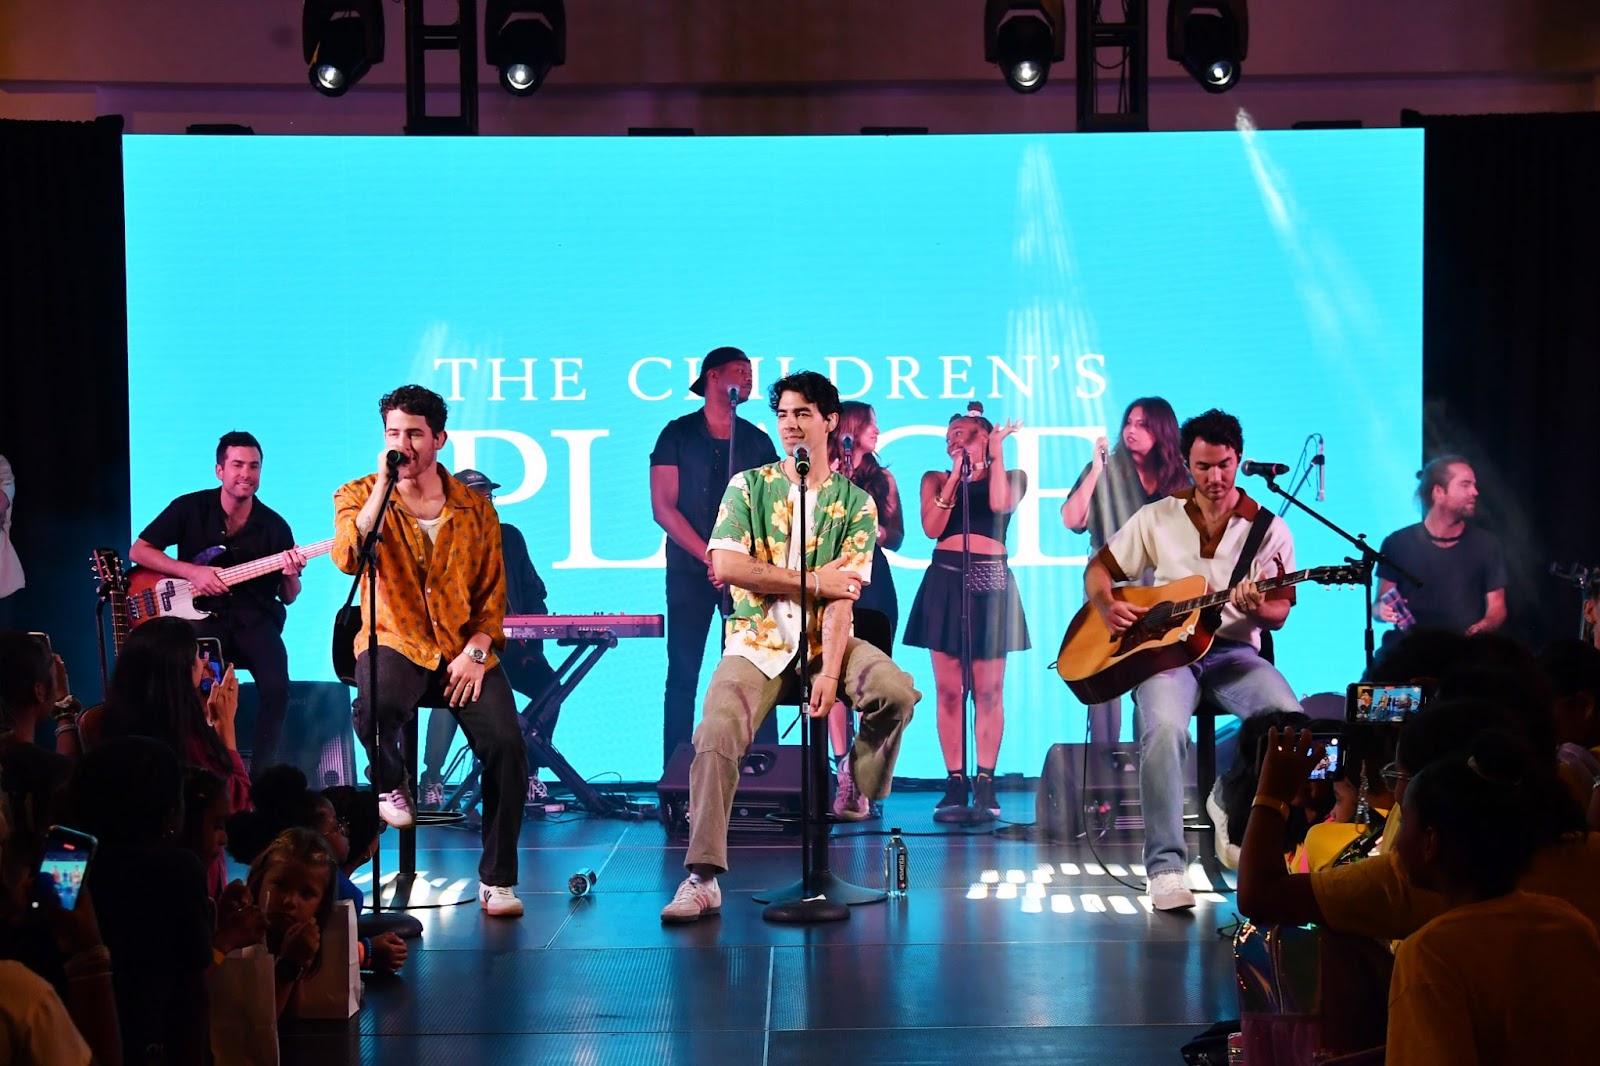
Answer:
(536, 716)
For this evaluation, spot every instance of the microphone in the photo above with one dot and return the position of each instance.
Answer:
(394, 459)
(966, 466)
(802, 460)
(733, 395)
(1266, 470)
(582, 882)
(847, 442)
(1322, 471)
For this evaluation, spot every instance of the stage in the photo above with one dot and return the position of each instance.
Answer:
(1075, 970)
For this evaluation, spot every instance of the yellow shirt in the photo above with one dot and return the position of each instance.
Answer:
(1372, 898)
(1509, 980)
(432, 595)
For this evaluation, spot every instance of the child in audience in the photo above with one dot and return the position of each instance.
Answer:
(356, 813)
(294, 878)
(237, 920)
(1501, 975)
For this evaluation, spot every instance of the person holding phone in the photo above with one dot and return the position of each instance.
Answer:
(231, 525)
(33, 690)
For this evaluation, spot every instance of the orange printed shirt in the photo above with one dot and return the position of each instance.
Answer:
(431, 597)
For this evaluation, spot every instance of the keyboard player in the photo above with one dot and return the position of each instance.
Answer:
(524, 661)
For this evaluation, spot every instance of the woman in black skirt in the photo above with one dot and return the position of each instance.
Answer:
(997, 623)
(877, 612)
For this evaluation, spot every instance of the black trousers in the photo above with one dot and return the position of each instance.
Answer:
(490, 723)
(530, 674)
(257, 647)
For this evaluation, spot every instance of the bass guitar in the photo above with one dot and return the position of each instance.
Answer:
(153, 595)
(1177, 630)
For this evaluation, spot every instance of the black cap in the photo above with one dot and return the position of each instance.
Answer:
(715, 358)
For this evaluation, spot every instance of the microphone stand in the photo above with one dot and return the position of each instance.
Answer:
(367, 567)
(818, 896)
(1370, 558)
(726, 604)
(966, 815)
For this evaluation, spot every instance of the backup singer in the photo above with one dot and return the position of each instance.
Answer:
(1462, 567)
(1196, 531)
(688, 473)
(877, 612)
(998, 624)
(439, 615)
(754, 550)
(233, 526)
(1145, 466)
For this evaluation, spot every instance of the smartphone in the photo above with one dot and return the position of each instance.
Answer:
(1328, 767)
(1384, 702)
(65, 857)
(211, 651)
(45, 639)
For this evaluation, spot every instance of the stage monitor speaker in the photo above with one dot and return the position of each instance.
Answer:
(317, 735)
(769, 783)
(1066, 808)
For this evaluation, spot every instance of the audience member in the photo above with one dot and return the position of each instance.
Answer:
(1501, 975)
(236, 921)
(33, 689)
(1573, 669)
(1362, 798)
(155, 692)
(294, 880)
(150, 895)
(1229, 805)
(356, 811)
(36, 1026)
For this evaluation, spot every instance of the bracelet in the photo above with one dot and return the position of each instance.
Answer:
(64, 726)
(831, 677)
(67, 707)
(938, 502)
(90, 962)
(818, 592)
(1272, 803)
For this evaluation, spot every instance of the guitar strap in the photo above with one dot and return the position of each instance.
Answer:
(1252, 545)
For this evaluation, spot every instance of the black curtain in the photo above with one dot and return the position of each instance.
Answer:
(1511, 338)
(64, 379)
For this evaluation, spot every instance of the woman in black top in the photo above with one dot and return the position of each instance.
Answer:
(997, 622)
(877, 612)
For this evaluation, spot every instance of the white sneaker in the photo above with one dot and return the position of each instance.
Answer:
(396, 810)
(849, 803)
(499, 901)
(1169, 893)
(1227, 851)
(696, 898)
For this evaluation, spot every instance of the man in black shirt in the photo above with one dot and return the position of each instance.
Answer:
(213, 529)
(1461, 567)
(689, 469)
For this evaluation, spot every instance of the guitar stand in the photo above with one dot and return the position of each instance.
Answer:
(586, 651)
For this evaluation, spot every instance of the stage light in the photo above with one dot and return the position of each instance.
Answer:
(1022, 38)
(1209, 39)
(341, 40)
(523, 39)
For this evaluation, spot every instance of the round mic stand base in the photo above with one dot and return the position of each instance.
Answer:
(963, 816)
(382, 922)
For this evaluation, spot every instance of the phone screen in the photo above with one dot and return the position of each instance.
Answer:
(66, 859)
(1378, 701)
(1329, 766)
(211, 650)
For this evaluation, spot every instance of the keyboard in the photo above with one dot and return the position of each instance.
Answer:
(583, 626)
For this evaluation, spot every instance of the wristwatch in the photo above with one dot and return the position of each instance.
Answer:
(477, 655)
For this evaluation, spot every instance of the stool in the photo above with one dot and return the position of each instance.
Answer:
(1205, 779)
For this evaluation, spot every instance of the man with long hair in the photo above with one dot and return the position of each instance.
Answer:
(1145, 466)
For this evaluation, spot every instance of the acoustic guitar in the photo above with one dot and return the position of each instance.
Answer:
(1177, 630)
(107, 566)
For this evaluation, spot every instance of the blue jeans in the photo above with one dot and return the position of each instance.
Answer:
(1233, 676)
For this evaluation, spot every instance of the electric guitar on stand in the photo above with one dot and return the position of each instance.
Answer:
(153, 595)
(1177, 630)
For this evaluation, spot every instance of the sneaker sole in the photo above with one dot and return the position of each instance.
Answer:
(673, 919)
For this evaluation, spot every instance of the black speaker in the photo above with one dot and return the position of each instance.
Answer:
(769, 783)
(317, 735)
(1067, 805)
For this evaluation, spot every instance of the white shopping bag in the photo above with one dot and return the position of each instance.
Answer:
(244, 1010)
(333, 989)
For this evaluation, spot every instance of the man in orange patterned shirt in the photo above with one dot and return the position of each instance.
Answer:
(441, 605)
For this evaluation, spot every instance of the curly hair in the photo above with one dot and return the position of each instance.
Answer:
(814, 387)
(1213, 427)
(416, 400)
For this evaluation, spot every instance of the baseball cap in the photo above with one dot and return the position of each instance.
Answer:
(715, 358)
(476, 480)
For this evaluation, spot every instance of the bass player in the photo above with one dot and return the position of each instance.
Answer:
(1204, 531)
(233, 526)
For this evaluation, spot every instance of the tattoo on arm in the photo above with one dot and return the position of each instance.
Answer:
(758, 569)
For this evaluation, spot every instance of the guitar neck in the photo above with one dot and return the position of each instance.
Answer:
(1213, 599)
(121, 625)
(270, 564)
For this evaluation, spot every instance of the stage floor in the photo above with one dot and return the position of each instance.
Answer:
(987, 956)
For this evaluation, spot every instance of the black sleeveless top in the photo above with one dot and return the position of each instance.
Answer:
(984, 522)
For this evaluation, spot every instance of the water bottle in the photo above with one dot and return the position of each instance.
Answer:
(896, 865)
(582, 882)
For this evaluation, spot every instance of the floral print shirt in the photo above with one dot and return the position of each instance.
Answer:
(755, 518)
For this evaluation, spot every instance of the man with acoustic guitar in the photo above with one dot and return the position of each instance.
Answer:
(233, 526)
(1204, 531)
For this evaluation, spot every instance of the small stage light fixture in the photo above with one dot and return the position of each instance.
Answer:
(1022, 38)
(341, 40)
(523, 39)
(1209, 38)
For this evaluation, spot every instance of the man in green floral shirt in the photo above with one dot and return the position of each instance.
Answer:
(753, 550)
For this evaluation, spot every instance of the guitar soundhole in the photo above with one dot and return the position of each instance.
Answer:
(1156, 623)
